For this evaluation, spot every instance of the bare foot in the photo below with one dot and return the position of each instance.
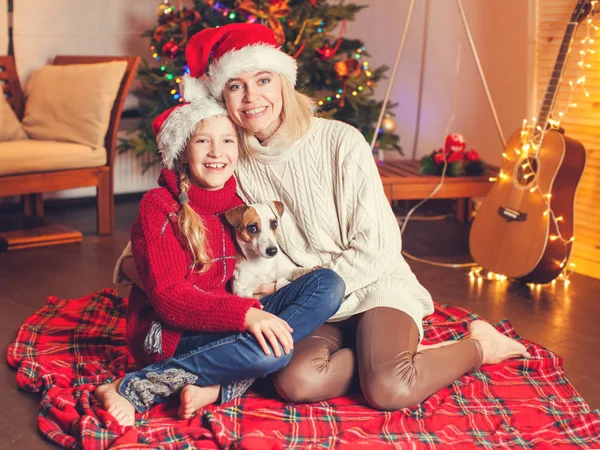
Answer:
(194, 397)
(116, 405)
(496, 347)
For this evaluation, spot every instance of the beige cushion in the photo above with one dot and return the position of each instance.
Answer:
(72, 103)
(30, 156)
(10, 127)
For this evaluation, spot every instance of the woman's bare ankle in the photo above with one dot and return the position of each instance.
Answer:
(495, 347)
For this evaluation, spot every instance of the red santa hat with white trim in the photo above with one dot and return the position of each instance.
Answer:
(174, 127)
(220, 54)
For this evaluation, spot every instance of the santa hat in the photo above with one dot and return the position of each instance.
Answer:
(223, 53)
(175, 126)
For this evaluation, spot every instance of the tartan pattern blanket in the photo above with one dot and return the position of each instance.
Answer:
(69, 347)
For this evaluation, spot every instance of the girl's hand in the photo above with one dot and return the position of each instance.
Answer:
(264, 289)
(265, 326)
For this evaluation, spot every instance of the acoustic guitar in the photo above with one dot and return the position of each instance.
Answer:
(524, 228)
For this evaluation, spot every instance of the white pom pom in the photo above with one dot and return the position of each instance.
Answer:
(193, 89)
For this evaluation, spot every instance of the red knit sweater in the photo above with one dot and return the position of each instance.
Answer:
(177, 296)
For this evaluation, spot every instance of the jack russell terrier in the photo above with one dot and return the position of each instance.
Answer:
(259, 258)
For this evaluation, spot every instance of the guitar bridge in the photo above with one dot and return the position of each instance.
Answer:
(512, 215)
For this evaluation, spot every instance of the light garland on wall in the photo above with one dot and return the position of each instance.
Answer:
(580, 79)
(528, 131)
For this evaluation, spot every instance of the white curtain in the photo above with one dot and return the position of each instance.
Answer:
(3, 27)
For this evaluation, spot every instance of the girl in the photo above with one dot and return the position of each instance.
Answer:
(196, 334)
(325, 174)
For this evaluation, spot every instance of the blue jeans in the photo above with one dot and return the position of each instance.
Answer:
(234, 360)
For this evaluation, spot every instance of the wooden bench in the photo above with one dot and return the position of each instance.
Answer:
(402, 180)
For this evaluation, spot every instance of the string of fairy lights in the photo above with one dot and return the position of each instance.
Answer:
(532, 135)
(365, 67)
(333, 96)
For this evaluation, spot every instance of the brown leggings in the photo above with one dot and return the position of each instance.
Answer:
(392, 374)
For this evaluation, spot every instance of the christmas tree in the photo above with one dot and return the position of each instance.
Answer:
(333, 69)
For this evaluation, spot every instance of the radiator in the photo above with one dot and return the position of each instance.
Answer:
(128, 174)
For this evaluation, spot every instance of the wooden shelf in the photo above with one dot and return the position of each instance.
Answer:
(402, 180)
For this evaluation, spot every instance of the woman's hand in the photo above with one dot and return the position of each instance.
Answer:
(264, 289)
(265, 326)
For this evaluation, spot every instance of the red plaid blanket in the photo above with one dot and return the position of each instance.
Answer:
(69, 347)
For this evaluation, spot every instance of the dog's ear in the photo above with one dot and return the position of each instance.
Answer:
(278, 207)
(234, 215)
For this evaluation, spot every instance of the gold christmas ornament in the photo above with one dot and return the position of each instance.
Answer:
(347, 68)
(164, 9)
(388, 124)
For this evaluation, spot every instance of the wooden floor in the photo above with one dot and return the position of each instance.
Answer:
(564, 320)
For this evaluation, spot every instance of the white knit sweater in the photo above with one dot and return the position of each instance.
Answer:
(337, 214)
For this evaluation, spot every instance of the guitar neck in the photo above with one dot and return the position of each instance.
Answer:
(553, 84)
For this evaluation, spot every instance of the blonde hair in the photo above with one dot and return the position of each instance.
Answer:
(296, 112)
(192, 226)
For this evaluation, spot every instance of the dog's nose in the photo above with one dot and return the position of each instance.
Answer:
(271, 251)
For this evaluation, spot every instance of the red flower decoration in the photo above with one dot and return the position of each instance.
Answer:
(438, 158)
(455, 156)
(472, 155)
(455, 143)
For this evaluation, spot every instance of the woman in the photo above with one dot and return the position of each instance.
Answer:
(195, 334)
(324, 173)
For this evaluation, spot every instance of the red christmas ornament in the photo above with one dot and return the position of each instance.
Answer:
(326, 52)
(170, 49)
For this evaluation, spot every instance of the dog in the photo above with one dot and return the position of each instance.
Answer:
(259, 258)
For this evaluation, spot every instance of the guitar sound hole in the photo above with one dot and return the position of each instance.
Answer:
(526, 172)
